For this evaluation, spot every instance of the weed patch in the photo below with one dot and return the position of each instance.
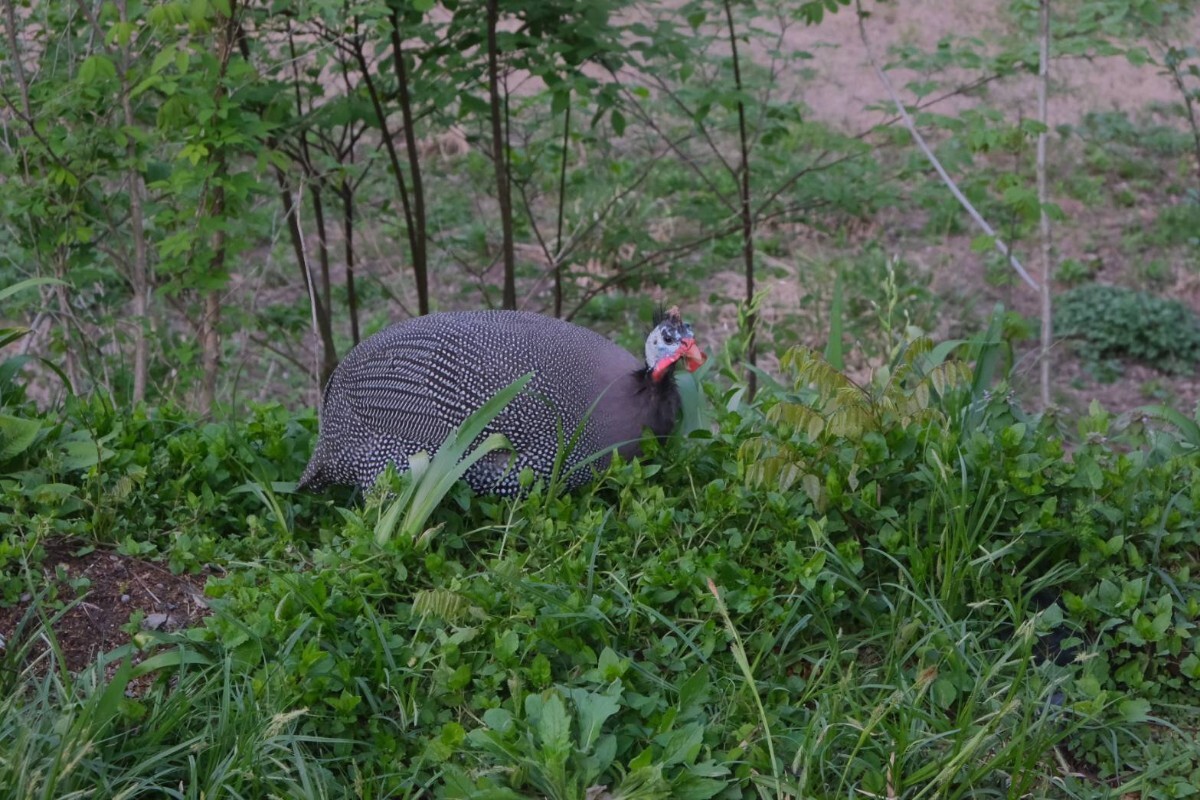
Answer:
(937, 601)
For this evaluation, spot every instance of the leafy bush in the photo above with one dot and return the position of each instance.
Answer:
(691, 626)
(1116, 322)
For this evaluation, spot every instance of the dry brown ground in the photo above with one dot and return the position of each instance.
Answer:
(840, 88)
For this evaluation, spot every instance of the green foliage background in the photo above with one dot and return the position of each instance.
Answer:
(891, 582)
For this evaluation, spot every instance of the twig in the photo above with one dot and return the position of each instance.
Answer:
(937, 165)
(562, 208)
(683, 157)
(1170, 58)
(932, 101)
(266, 344)
(676, 251)
(1043, 85)
(690, 113)
(743, 174)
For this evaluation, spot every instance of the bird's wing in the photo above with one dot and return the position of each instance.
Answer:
(412, 392)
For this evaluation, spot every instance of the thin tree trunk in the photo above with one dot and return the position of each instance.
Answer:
(562, 200)
(322, 247)
(1047, 310)
(420, 252)
(10, 26)
(747, 213)
(59, 291)
(210, 319)
(321, 324)
(139, 277)
(310, 171)
(348, 240)
(211, 339)
(499, 149)
(70, 365)
(415, 245)
(1189, 106)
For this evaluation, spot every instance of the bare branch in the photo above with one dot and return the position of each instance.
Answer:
(937, 165)
(1047, 310)
(674, 146)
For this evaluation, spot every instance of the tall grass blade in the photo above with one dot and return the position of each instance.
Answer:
(833, 348)
(739, 655)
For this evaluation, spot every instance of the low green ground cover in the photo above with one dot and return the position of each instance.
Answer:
(936, 595)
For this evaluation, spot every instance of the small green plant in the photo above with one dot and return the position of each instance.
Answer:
(431, 479)
(1072, 271)
(1107, 322)
(832, 410)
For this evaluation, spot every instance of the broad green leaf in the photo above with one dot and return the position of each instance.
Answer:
(16, 435)
(554, 729)
(83, 454)
(498, 719)
(560, 101)
(618, 122)
(693, 693)
(681, 746)
(110, 700)
(10, 335)
(593, 709)
(1134, 709)
(95, 69)
(170, 659)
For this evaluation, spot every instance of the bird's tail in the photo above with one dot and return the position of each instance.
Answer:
(313, 479)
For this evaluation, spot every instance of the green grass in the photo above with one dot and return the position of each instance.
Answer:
(207, 731)
(685, 628)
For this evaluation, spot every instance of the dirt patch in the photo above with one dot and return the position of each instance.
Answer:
(103, 591)
(841, 88)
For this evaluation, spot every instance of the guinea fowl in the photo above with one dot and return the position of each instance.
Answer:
(408, 387)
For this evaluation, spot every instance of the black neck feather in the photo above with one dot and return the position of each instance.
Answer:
(661, 402)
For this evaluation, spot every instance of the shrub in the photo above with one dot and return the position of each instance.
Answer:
(1116, 322)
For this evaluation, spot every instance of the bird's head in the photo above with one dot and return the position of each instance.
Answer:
(671, 340)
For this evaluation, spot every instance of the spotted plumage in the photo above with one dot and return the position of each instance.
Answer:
(407, 388)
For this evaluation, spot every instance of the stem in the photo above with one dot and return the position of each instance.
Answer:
(1047, 310)
(562, 200)
(420, 237)
(10, 28)
(499, 146)
(211, 337)
(348, 239)
(322, 246)
(743, 170)
(415, 245)
(320, 320)
(140, 273)
(307, 164)
(1189, 105)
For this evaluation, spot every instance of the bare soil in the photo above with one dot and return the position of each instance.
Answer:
(102, 591)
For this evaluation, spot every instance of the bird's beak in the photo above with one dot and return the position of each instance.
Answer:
(692, 355)
(687, 351)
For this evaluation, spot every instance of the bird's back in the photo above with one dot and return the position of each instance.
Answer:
(406, 388)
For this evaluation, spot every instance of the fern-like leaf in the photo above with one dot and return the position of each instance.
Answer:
(442, 604)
